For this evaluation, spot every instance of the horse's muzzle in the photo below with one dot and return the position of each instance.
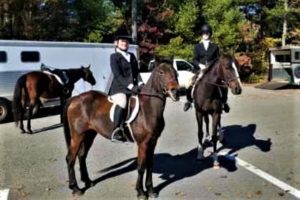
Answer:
(236, 90)
(174, 94)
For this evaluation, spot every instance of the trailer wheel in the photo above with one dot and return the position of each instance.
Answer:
(5, 110)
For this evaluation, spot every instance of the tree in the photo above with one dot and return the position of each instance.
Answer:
(225, 19)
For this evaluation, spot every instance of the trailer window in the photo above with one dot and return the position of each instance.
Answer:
(283, 58)
(297, 55)
(30, 56)
(3, 57)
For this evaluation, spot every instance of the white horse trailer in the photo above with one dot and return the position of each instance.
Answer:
(285, 64)
(20, 57)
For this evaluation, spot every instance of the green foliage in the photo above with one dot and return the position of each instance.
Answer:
(186, 19)
(225, 19)
(176, 48)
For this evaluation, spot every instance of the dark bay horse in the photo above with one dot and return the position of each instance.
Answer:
(207, 98)
(33, 85)
(88, 114)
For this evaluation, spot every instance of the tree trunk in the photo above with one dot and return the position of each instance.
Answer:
(284, 31)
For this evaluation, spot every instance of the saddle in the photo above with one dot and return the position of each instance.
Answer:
(132, 110)
(60, 75)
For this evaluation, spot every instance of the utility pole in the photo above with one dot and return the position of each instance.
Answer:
(134, 5)
(284, 31)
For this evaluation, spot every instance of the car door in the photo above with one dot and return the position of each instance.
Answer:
(184, 73)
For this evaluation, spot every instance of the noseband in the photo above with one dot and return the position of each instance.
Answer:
(160, 94)
(225, 83)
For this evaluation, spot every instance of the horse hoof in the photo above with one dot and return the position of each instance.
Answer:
(77, 192)
(142, 197)
(89, 184)
(23, 131)
(152, 195)
(216, 166)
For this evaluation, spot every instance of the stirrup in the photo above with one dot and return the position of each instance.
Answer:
(121, 140)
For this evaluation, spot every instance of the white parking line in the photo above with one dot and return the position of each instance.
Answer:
(4, 194)
(275, 181)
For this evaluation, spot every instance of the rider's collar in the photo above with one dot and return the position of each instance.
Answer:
(125, 54)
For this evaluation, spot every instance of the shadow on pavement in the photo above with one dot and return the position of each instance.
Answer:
(172, 168)
(237, 137)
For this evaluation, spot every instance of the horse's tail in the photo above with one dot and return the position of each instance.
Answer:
(17, 98)
(66, 124)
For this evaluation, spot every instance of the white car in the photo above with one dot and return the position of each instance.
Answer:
(183, 67)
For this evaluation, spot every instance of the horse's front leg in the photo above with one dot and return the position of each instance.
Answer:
(200, 154)
(149, 166)
(216, 122)
(207, 135)
(141, 165)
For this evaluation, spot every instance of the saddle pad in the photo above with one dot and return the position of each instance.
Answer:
(134, 112)
(55, 75)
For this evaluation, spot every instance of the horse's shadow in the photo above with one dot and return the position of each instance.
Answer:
(237, 137)
(171, 168)
(40, 130)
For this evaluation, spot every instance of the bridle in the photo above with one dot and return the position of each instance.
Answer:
(225, 83)
(163, 84)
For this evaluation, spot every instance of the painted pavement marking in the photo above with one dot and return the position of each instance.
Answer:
(4, 194)
(275, 181)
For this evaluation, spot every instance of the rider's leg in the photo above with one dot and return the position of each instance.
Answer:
(119, 117)
(189, 89)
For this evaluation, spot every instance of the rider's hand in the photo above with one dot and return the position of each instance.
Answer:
(136, 89)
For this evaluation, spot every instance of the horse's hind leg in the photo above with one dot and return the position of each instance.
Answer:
(30, 109)
(71, 158)
(149, 183)
(199, 117)
(22, 120)
(82, 155)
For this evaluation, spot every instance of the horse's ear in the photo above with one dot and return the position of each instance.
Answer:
(89, 66)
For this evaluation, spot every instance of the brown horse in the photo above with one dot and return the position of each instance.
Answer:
(88, 114)
(208, 100)
(33, 85)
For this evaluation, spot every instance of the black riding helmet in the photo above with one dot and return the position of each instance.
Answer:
(206, 29)
(122, 34)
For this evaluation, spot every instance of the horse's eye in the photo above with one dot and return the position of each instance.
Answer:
(161, 72)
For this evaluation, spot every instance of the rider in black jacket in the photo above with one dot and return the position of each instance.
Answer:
(126, 80)
(205, 54)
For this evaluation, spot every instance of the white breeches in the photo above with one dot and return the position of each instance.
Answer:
(120, 99)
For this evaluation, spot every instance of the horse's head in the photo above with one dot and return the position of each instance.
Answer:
(88, 75)
(165, 78)
(229, 74)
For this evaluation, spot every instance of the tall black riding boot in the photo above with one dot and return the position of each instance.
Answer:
(224, 98)
(118, 133)
(189, 99)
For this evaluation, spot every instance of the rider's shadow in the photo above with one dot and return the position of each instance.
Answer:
(237, 137)
(171, 168)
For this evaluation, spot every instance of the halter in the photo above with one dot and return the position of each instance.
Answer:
(161, 95)
(225, 84)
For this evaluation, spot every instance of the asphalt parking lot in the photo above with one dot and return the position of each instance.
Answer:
(259, 159)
